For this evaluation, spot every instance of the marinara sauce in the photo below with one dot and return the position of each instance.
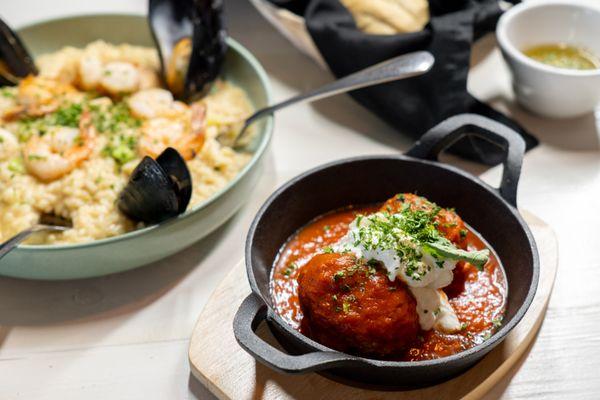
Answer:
(478, 297)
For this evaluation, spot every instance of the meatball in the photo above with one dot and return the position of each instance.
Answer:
(449, 224)
(352, 306)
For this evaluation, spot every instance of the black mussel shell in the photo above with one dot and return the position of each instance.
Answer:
(157, 189)
(174, 165)
(191, 38)
(15, 60)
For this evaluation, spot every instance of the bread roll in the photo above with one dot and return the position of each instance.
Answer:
(389, 17)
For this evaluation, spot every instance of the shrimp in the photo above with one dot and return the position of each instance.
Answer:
(151, 103)
(8, 102)
(114, 78)
(90, 72)
(185, 133)
(120, 77)
(37, 96)
(148, 78)
(60, 150)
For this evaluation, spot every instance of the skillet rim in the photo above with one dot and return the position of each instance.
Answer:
(484, 347)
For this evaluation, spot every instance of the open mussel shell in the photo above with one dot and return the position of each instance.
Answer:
(157, 189)
(174, 165)
(191, 39)
(15, 60)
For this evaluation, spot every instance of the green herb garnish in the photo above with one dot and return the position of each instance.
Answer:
(328, 250)
(339, 275)
(122, 148)
(16, 165)
(411, 233)
(346, 307)
(290, 268)
(497, 322)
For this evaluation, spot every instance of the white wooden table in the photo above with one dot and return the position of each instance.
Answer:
(126, 336)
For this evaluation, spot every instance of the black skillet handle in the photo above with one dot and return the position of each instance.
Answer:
(454, 128)
(251, 312)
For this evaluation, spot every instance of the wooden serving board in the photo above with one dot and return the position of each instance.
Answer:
(229, 372)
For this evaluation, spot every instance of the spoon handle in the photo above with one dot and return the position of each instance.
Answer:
(14, 241)
(401, 67)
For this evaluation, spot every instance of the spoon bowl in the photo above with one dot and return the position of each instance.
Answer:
(47, 223)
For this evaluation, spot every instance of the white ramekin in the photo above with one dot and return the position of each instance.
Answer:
(543, 89)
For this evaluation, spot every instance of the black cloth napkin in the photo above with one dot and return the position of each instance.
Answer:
(413, 105)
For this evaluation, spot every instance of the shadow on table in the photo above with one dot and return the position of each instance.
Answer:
(33, 303)
(313, 383)
(500, 388)
(572, 134)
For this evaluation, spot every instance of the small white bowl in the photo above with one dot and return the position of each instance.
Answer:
(543, 89)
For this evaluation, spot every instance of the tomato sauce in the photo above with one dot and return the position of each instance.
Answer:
(478, 297)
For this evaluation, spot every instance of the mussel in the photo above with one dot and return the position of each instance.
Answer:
(157, 189)
(15, 60)
(191, 39)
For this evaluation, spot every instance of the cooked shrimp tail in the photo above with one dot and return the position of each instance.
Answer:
(60, 150)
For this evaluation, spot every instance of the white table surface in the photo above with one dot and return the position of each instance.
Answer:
(126, 336)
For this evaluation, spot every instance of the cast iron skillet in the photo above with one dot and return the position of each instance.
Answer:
(366, 180)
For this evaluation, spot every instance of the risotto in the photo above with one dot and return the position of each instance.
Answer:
(71, 136)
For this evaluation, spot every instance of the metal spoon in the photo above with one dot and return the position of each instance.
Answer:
(401, 67)
(47, 223)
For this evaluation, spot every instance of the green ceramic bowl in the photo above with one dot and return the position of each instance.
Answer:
(146, 245)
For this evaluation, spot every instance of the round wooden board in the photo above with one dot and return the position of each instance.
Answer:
(230, 373)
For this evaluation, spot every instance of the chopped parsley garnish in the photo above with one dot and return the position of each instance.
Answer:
(346, 307)
(326, 228)
(290, 268)
(16, 165)
(497, 322)
(9, 93)
(410, 233)
(339, 275)
(68, 115)
(114, 118)
(121, 147)
(370, 271)
(328, 250)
